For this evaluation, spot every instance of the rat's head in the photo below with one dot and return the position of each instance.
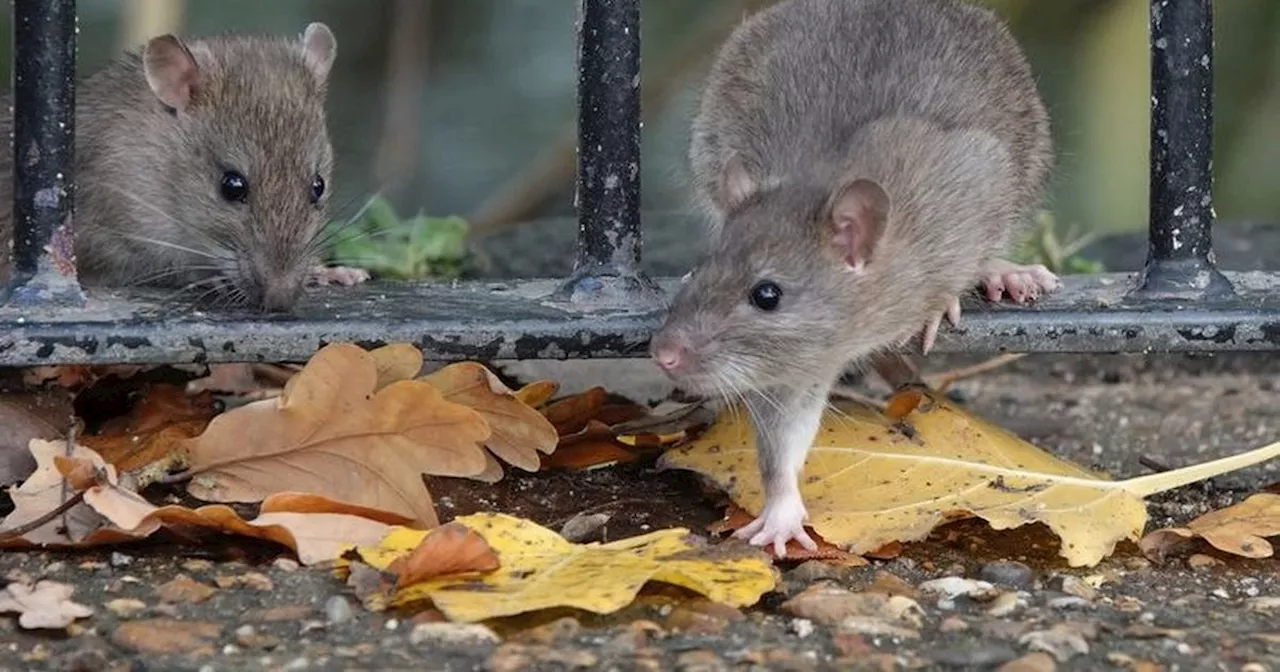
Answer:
(248, 166)
(775, 302)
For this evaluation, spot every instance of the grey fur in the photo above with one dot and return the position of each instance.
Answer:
(148, 179)
(931, 99)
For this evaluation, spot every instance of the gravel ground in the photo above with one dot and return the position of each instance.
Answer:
(1192, 612)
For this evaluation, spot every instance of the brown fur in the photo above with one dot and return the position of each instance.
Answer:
(149, 178)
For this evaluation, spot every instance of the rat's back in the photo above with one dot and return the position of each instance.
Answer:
(796, 81)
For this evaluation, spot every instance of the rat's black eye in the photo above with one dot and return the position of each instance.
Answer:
(235, 187)
(766, 295)
(317, 188)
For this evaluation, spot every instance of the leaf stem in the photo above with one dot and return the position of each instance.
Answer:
(1144, 486)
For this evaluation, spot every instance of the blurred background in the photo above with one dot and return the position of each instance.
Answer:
(466, 107)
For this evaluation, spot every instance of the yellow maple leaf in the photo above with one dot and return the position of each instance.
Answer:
(871, 480)
(540, 570)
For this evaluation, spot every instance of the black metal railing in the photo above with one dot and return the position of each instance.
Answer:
(608, 308)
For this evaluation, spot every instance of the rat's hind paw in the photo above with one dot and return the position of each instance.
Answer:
(336, 275)
(1020, 282)
(779, 523)
(952, 313)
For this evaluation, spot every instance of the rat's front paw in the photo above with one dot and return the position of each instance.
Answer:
(1020, 282)
(336, 275)
(930, 335)
(780, 522)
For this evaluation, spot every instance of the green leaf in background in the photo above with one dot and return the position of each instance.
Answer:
(418, 248)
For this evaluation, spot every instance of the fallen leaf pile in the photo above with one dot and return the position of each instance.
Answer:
(354, 430)
(874, 478)
(540, 570)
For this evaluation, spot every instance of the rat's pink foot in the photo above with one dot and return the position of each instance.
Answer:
(1021, 283)
(336, 275)
(781, 521)
(952, 313)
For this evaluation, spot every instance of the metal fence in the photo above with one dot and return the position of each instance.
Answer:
(607, 308)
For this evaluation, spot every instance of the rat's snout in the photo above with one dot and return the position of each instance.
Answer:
(671, 353)
(278, 295)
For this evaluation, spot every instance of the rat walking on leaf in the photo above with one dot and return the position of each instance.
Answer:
(862, 164)
(204, 165)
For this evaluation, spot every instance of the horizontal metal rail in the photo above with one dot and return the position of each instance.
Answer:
(1178, 302)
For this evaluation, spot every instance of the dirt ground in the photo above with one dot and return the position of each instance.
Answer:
(1122, 414)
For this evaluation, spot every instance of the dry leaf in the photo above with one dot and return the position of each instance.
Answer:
(396, 362)
(43, 492)
(446, 551)
(541, 570)
(1240, 529)
(330, 434)
(518, 431)
(153, 431)
(537, 393)
(570, 415)
(47, 604)
(183, 589)
(871, 480)
(41, 415)
(591, 448)
(315, 528)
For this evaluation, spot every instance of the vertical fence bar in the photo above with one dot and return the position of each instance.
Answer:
(608, 189)
(1180, 260)
(44, 39)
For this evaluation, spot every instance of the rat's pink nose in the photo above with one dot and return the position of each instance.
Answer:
(670, 357)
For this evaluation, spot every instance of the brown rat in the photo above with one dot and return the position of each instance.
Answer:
(205, 165)
(862, 163)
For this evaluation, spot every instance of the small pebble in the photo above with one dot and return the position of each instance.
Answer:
(803, 627)
(119, 559)
(953, 624)
(297, 664)
(338, 609)
(391, 624)
(1002, 606)
(286, 564)
(1069, 602)
(982, 656)
(1006, 573)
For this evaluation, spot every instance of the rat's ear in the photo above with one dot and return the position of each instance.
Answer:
(319, 49)
(857, 214)
(171, 70)
(736, 184)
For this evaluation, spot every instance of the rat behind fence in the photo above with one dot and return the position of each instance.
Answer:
(204, 165)
(862, 163)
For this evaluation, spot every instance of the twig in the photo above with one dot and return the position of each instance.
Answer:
(44, 519)
(941, 381)
(400, 146)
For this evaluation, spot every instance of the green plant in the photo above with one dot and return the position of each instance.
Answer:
(420, 247)
(1059, 254)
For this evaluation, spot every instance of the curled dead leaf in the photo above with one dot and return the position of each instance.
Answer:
(1241, 529)
(447, 550)
(571, 414)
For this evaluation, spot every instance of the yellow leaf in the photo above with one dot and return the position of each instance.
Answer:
(870, 480)
(541, 570)
(330, 434)
(518, 431)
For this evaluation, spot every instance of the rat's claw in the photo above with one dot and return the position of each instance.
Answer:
(780, 522)
(1019, 282)
(952, 313)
